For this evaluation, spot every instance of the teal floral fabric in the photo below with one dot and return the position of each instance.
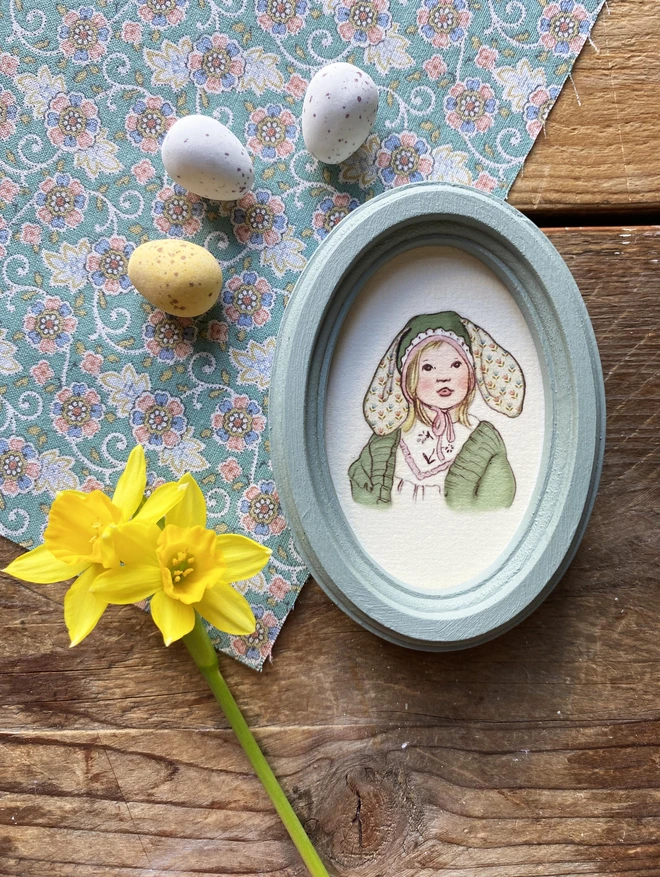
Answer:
(87, 93)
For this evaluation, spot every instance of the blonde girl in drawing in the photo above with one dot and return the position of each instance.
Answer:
(425, 442)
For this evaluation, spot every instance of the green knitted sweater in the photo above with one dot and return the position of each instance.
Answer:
(479, 479)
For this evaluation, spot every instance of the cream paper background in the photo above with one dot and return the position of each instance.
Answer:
(424, 544)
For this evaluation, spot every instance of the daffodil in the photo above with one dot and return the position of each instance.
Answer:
(78, 540)
(185, 568)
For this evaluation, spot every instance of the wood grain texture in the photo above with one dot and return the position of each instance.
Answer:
(600, 150)
(536, 755)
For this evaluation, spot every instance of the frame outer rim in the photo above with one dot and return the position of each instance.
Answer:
(294, 428)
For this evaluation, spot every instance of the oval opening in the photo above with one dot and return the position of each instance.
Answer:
(435, 417)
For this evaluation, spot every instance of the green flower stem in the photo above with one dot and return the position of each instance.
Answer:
(204, 655)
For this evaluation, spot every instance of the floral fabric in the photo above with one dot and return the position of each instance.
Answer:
(87, 93)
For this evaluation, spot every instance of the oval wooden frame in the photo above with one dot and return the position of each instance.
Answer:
(539, 280)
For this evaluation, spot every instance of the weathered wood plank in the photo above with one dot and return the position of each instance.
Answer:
(536, 755)
(600, 149)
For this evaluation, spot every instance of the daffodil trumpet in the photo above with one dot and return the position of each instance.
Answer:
(125, 549)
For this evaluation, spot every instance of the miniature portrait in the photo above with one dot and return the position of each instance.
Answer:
(435, 417)
(427, 445)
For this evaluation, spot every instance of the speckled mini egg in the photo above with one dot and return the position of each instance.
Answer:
(178, 277)
(339, 110)
(203, 156)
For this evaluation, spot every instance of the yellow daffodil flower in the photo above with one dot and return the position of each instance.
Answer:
(184, 568)
(78, 540)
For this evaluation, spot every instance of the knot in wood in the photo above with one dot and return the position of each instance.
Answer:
(365, 814)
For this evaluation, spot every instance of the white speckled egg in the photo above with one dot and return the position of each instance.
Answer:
(338, 112)
(203, 156)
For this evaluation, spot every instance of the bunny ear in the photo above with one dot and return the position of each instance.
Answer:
(499, 377)
(385, 408)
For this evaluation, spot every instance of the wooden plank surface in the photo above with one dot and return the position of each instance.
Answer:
(536, 755)
(600, 151)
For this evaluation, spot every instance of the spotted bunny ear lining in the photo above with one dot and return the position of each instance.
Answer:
(499, 377)
(385, 407)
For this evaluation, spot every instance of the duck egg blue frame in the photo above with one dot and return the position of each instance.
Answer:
(557, 515)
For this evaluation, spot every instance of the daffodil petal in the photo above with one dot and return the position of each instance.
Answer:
(174, 618)
(132, 482)
(241, 557)
(82, 608)
(161, 501)
(128, 584)
(227, 610)
(191, 511)
(39, 566)
(135, 542)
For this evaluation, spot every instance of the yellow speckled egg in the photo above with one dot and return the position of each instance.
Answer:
(176, 276)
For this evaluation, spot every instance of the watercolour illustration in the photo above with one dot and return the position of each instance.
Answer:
(426, 444)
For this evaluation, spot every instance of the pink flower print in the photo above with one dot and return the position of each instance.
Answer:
(219, 332)
(282, 17)
(90, 483)
(4, 237)
(72, 121)
(162, 13)
(131, 32)
(177, 212)
(158, 420)
(169, 338)
(77, 411)
(278, 588)
(272, 132)
(485, 182)
(83, 35)
(230, 470)
(61, 201)
(259, 219)
(435, 67)
(216, 63)
(42, 372)
(538, 106)
(107, 264)
(91, 363)
(149, 121)
(238, 423)
(443, 22)
(470, 107)
(404, 158)
(8, 114)
(259, 644)
(143, 171)
(30, 233)
(564, 27)
(19, 466)
(261, 510)
(247, 299)
(363, 22)
(8, 190)
(49, 324)
(330, 211)
(8, 64)
(486, 57)
(296, 86)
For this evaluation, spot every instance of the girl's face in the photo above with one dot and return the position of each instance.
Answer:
(444, 378)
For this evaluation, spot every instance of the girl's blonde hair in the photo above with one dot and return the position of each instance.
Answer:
(419, 410)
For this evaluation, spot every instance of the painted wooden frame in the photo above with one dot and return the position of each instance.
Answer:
(543, 288)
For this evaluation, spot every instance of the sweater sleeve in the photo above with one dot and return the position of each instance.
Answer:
(372, 474)
(481, 478)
